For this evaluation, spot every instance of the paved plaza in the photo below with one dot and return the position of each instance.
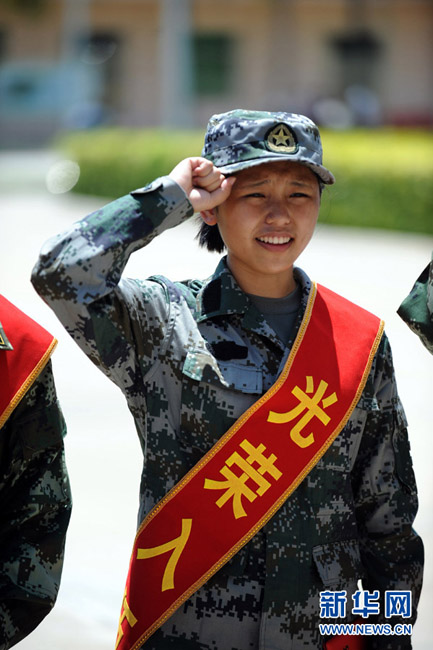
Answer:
(374, 268)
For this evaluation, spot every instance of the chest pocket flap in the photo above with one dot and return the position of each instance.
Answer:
(338, 563)
(201, 366)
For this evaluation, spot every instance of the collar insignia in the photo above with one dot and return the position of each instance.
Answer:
(4, 343)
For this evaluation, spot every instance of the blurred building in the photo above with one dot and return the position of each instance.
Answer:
(82, 63)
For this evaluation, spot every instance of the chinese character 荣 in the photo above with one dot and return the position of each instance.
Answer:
(235, 486)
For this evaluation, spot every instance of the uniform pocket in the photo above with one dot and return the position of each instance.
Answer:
(41, 431)
(330, 480)
(339, 564)
(214, 395)
(331, 494)
(401, 447)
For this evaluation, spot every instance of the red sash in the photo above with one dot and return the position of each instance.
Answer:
(243, 480)
(32, 348)
(345, 642)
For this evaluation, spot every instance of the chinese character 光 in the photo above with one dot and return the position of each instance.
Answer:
(235, 486)
(312, 407)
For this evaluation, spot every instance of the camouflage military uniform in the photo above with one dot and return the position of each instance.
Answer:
(190, 358)
(35, 507)
(417, 309)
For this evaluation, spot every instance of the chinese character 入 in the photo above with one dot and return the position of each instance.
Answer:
(176, 546)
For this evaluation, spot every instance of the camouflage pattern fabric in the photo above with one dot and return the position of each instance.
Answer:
(190, 358)
(417, 309)
(35, 507)
(240, 139)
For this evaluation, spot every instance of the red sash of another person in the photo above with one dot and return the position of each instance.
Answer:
(19, 367)
(242, 481)
(346, 642)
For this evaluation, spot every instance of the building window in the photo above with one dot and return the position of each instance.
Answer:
(98, 48)
(358, 52)
(212, 58)
(99, 53)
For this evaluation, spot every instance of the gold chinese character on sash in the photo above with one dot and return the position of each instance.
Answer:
(176, 545)
(235, 486)
(312, 408)
(126, 614)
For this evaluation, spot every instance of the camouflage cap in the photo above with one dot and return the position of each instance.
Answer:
(240, 139)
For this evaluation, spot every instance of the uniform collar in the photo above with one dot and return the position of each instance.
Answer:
(221, 296)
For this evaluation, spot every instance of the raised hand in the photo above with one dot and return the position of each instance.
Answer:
(203, 183)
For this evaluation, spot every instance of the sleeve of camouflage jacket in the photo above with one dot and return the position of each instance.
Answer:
(79, 275)
(35, 506)
(417, 309)
(386, 498)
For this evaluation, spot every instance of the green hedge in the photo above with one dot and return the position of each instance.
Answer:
(384, 176)
(115, 161)
(384, 179)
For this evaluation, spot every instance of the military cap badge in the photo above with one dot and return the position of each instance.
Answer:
(282, 139)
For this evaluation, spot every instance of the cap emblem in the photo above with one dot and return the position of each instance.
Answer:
(281, 139)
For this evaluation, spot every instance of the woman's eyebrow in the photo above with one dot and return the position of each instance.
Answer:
(254, 183)
(302, 183)
(250, 184)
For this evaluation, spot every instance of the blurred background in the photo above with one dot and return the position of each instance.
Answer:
(83, 63)
(98, 97)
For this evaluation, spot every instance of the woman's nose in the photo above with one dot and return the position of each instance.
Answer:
(278, 211)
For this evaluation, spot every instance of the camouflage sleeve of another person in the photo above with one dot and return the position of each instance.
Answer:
(417, 309)
(386, 498)
(79, 275)
(35, 506)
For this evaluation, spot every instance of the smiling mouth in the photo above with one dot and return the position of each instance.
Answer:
(275, 240)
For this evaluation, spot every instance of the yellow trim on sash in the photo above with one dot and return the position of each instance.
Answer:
(28, 382)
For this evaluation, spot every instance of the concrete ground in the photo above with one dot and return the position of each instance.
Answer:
(373, 268)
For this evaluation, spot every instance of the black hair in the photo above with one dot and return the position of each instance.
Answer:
(210, 237)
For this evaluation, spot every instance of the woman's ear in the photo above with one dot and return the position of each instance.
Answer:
(210, 217)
